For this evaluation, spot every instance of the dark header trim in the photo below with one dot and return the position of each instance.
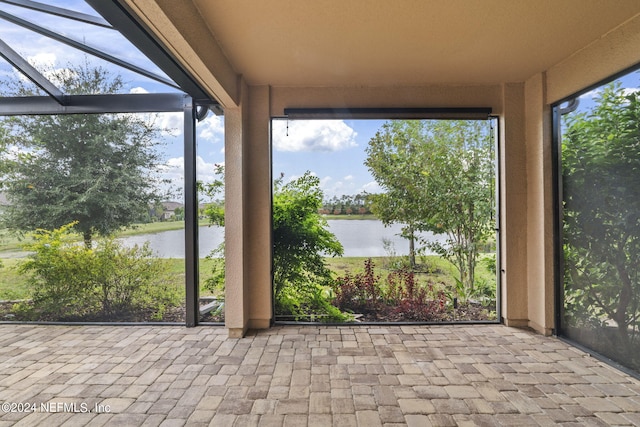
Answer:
(388, 113)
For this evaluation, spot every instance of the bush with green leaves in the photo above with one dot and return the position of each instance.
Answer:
(214, 212)
(109, 282)
(601, 222)
(301, 240)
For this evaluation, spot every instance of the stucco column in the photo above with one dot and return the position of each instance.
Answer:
(540, 215)
(248, 213)
(513, 220)
(236, 136)
(258, 209)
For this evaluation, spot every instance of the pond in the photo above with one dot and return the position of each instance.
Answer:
(360, 238)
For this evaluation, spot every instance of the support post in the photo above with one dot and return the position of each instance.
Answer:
(191, 215)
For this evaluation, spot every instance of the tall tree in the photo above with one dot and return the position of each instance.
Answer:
(438, 176)
(396, 159)
(97, 169)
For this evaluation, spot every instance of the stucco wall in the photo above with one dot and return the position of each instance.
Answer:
(258, 213)
(610, 54)
(236, 206)
(513, 216)
(539, 207)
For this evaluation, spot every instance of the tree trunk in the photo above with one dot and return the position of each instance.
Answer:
(412, 248)
(87, 235)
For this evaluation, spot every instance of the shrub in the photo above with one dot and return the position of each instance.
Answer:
(401, 297)
(409, 301)
(73, 282)
(310, 306)
(358, 292)
(301, 240)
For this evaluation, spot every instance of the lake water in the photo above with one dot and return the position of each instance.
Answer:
(363, 238)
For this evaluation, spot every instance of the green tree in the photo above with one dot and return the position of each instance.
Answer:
(214, 212)
(4, 162)
(96, 169)
(301, 240)
(438, 176)
(395, 158)
(601, 179)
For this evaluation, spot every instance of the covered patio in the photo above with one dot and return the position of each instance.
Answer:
(305, 376)
(519, 60)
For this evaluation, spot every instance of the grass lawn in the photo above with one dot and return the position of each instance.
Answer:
(431, 267)
(10, 242)
(13, 286)
(152, 227)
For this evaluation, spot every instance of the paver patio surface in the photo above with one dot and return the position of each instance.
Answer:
(305, 376)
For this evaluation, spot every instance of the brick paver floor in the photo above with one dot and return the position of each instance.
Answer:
(305, 376)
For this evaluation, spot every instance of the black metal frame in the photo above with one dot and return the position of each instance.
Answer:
(193, 101)
(472, 113)
(498, 229)
(58, 11)
(558, 259)
(124, 20)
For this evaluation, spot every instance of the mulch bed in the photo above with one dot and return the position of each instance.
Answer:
(465, 312)
(172, 315)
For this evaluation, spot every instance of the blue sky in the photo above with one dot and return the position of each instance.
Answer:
(332, 150)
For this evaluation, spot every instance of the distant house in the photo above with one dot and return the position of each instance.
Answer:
(169, 209)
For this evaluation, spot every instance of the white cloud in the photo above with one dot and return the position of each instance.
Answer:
(43, 60)
(630, 90)
(211, 129)
(170, 123)
(324, 182)
(594, 93)
(372, 187)
(313, 135)
(173, 170)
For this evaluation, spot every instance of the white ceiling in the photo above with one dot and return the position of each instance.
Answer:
(404, 42)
